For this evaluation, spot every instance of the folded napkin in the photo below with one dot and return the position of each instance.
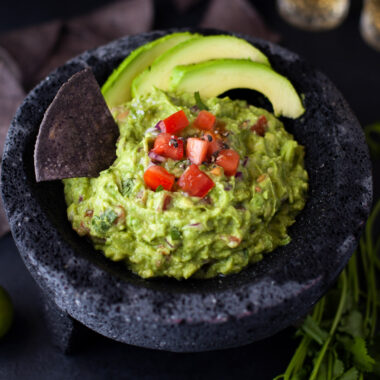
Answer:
(27, 55)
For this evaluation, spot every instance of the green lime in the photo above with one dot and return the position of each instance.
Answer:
(6, 312)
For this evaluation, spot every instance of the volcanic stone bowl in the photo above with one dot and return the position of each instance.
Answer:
(195, 315)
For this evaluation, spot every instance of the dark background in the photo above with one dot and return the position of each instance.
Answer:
(27, 352)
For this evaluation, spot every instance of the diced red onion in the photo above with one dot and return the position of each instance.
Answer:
(228, 187)
(153, 131)
(194, 225)
(170, 245)
(194, 109)
(156, 157)
(160, 126)
(239, 175)
(245, 161)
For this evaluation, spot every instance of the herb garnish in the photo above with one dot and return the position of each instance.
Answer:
(159, 188)
(199, 101)
(175, 234)
(127, 186)
(104, 221)
(336, 340)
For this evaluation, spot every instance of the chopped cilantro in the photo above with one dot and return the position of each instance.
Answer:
(103, 222)
(175, 234)
(127, 186)
(199, 101)
(159, 188)
(338, 336)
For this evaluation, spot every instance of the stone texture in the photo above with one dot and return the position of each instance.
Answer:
(11, 96)
(195, 315)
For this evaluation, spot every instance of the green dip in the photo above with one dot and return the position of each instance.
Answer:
(240, 219)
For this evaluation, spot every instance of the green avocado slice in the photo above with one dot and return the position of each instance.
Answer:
(117, 89)
(215, 77)
(193, 51)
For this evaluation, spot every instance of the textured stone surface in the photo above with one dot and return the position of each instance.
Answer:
(195, 315)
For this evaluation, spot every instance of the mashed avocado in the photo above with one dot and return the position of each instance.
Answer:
(169, 233)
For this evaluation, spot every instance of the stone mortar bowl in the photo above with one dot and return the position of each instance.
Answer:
(195, 315)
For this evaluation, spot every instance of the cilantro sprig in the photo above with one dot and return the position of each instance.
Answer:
(199, 101)
(338, 337)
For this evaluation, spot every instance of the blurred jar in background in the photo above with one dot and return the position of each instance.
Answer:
(370, 23)
(313, 14)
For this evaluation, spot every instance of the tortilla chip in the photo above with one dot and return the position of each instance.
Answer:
(77, 136)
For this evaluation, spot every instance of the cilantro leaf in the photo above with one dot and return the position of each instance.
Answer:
(312, 329)
(175, 234)
(127, 186)
(358, 349)
(351, 374)
(104, 221)
(338, 368)
(159, 188)
(199, 101)
(352, 324)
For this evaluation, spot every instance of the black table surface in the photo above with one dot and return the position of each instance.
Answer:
(27, 352)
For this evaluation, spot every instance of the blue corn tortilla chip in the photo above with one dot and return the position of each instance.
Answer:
(78, 134)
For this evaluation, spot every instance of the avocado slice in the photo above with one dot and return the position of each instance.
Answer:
(214, 77)
(192, 51)
(117, 89)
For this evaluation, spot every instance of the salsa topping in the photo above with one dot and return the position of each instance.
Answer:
(175, 122)
(210, 147)
(168, 145)
(205, 120)
(195, 182)
(156, 176)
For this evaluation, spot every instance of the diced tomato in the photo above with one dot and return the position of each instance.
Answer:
(195, 182)
(259, 126)
(156, 175)
(175, 122)
(205, 120)
(215, 144)
(168, 145)
(196, 150)
(228, 159)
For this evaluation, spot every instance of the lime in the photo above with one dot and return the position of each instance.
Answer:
(6, 312)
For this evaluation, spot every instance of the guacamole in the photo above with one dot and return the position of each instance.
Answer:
(170, 233)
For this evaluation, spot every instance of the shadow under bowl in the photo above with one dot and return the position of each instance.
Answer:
(195, 315)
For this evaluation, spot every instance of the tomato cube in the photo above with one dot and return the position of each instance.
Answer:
(228, 159)
(215, 143)
(169, 146)
(205, 120)
(195, 182)
(196, 150)
(156, 176)
(175, 122)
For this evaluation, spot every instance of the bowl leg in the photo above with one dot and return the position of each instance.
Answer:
(67, 334)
